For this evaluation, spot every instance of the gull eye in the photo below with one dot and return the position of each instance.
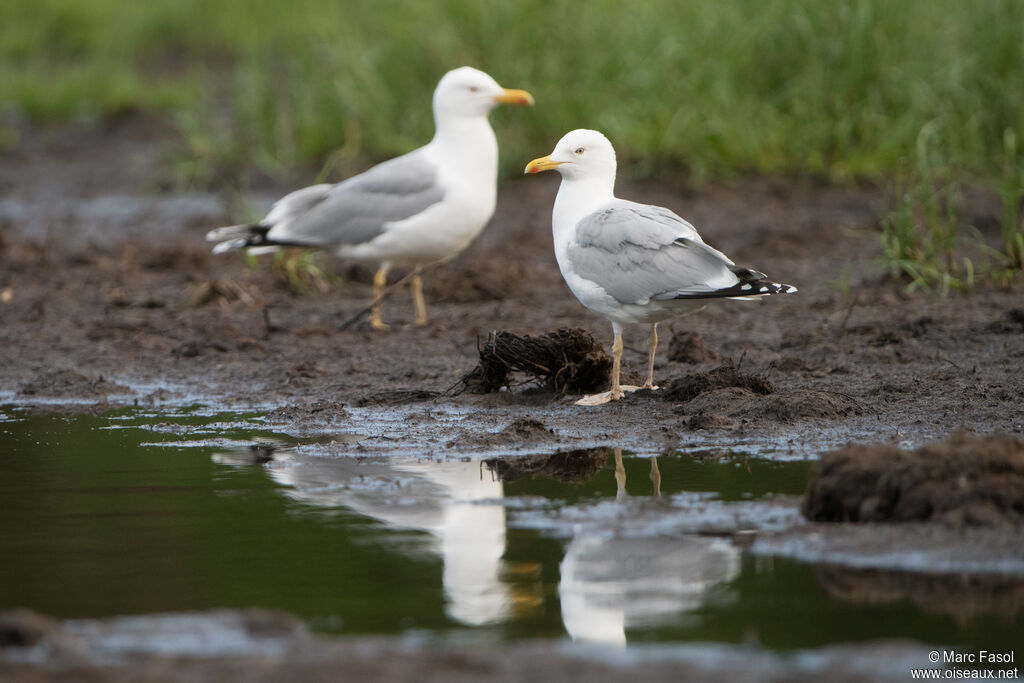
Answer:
(473, 88)
(578, 150)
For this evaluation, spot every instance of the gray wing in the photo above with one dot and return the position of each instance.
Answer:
(637, 253)
(358, 209)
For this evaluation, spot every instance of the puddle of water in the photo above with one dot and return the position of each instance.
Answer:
(132, 513)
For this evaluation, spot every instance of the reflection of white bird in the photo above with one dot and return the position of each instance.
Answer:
(419, 208)
(442, 499)
(609, 584)
(630, 262)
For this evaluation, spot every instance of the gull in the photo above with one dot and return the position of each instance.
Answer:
(420, 208)
(630, 262)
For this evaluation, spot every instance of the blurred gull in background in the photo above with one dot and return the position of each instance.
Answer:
(420, 208)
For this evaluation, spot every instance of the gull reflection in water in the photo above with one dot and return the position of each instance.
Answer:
(610, 582)
(444, 499)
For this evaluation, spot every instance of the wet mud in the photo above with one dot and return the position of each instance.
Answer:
(266, 645)
(135, 310)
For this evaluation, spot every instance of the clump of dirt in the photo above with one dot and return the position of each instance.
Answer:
(525, 430)
(565, 361)
(689, 347)
(317, 410)
(63, 383)
(884, 333)
(801, 403)
(962, 481)
(1012, 322)
(719, 408)
(727, 375)
(23, 627)
(395, 397)
(576, 466)
(475, 283)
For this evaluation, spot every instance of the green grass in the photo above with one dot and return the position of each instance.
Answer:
(840, 89)
(843, 90)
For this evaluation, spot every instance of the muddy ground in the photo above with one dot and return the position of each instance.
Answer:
(109, 296)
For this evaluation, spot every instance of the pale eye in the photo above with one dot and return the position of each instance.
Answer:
(579, 150)
(473, 88)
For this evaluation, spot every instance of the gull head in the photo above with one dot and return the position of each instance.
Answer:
(580, 154)
(470, 92)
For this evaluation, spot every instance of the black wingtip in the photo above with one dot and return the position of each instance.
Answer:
(751, 284)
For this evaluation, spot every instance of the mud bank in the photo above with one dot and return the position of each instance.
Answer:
(260, 645)
(107, 308)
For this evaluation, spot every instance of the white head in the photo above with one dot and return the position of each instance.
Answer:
(580, 155)
(470, 92)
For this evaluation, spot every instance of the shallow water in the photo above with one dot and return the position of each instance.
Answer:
(133, 512)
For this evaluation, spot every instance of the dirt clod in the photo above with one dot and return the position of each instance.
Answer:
(962, 481)
(565, 361)
(61, 383)
(801, 403)
(1011, 322)
(23, 627)
(689, 347)
(726, 375)
(527, 429)
(395, 397)
(316, 410)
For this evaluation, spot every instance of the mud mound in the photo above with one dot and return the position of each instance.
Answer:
(575, 466)
(566, 361)
(689, 347)
(318, 410)
(68, 383)
(526, 429)
(395, 397)
(690, 386)
(802, 403)
(728, 401)
(884, 333)
(23, 627)
(961, 481)
(523, 431)
(474, 283)
(718, 408)
(1011, 322)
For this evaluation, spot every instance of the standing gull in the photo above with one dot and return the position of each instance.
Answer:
(419, 208)
(630, 262)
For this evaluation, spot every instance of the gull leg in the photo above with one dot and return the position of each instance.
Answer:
(417, 297)
(380, 280)
(618, 390)
(650, 361)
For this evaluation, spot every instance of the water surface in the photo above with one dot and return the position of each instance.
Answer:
(133, 513)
